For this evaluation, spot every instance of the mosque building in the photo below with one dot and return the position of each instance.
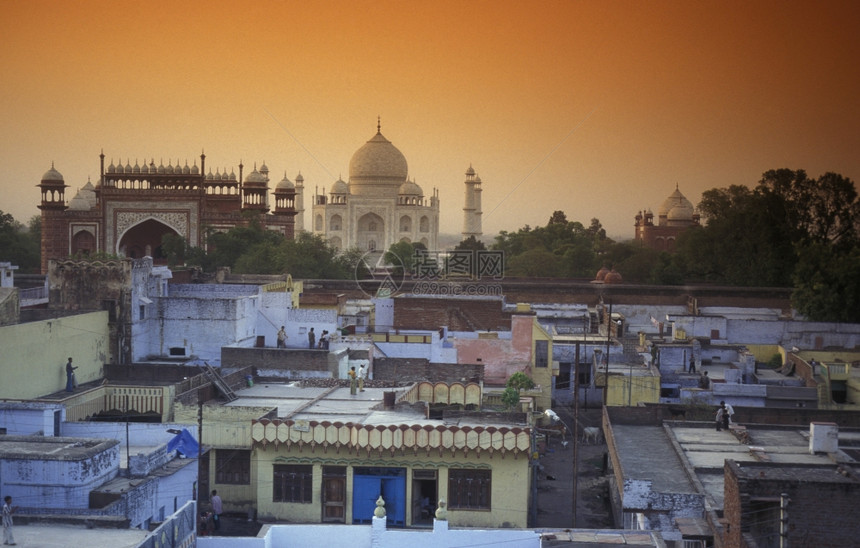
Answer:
(675, 216)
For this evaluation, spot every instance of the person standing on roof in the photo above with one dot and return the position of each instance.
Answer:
(217, 509)
(362, 374)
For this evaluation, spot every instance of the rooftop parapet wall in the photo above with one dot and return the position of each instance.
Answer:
(444, 393)
(413, 370)
(392, 439)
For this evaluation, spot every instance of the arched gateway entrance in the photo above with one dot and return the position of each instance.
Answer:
(144, 239)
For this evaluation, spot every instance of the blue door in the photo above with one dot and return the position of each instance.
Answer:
(369, 483)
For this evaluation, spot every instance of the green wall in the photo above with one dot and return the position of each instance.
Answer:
(34, 354)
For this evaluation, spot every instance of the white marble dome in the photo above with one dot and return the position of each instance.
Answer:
(339, 187)
(677, 207)
(378, 161)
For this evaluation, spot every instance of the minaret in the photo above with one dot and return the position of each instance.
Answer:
(300, 203)
(54, 244)
(472, 208)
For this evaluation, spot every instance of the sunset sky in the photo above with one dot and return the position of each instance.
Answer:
(595, 108)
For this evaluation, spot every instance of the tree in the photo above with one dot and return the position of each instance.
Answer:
(561, 249)
(401, 256)
(520, 381)
(510, 397)
(470, 244)
(753, 236)
(826, 283)
(19, 245)
(174, 248)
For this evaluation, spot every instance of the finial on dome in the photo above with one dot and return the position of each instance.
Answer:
(379, 124)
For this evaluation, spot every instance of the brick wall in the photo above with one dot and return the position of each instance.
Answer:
(276, 358)
(457, 314)
(821, 510)
(416, 369)
(535, 290)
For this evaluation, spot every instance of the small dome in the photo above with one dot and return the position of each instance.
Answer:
(52, 175)
(299, 178)
(232, 176)
(339, 187)
(225, 176)
(210, 176)
(410, 188)
(285, 184)
(136, 168)
(470, 172)
(111, 168)
(84, 199)
(195, 170)
(255, 178)
(186, 170)
(264, 169)
(128, 167)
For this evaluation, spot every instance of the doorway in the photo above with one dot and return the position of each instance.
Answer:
(368, 484)
(424, 497)
(334, 494)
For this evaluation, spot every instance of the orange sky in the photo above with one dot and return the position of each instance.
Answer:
(595, 108)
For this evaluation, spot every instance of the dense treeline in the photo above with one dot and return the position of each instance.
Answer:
(19, 244)
(254, 250)
(789, 231)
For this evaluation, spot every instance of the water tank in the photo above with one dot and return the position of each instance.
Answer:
(823, 437)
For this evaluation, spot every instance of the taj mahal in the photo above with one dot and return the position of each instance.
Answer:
(133, 206)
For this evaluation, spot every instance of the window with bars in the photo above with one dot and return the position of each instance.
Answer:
(233, 466)
(292, 483)
(469, 489)
(541, 353)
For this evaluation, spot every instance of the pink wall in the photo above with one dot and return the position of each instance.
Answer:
(501, 357)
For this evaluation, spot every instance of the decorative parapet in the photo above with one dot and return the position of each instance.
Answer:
(441, 392)
(391, 439)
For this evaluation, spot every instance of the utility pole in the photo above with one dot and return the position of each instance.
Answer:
(783, 520)
(575, 434)
(127, 447)
(199, 447)
(608, 340)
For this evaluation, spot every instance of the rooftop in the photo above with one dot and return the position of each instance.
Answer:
(47, 535)
(44, 448)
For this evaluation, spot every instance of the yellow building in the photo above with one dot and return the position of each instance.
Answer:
(631, 385)
(332, 454)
